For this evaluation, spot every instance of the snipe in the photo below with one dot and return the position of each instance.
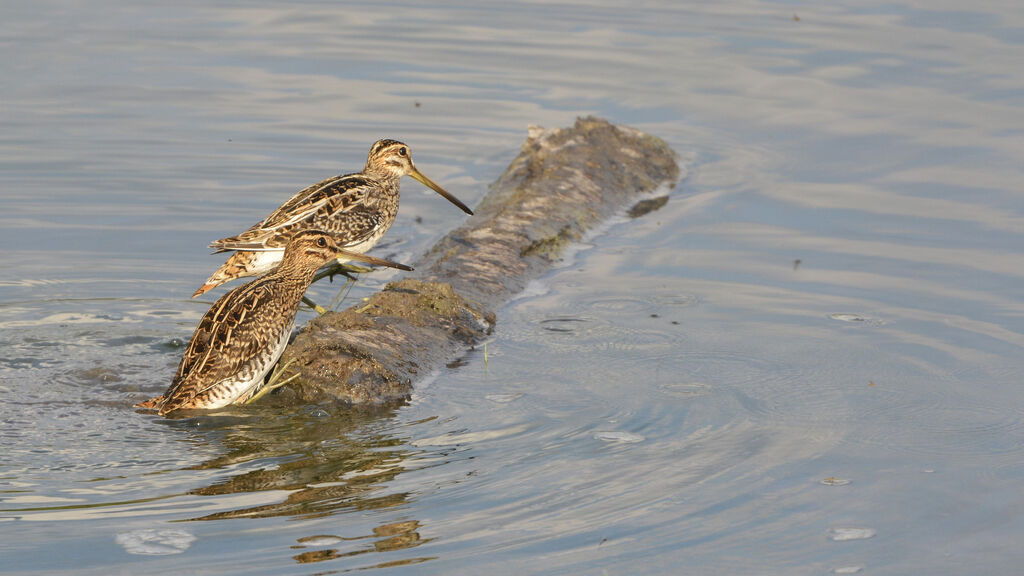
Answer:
(356, 208)
(245, 332)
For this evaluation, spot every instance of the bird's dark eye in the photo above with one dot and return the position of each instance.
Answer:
(402, 151)
(321, 242)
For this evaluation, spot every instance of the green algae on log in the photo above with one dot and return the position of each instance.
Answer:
(563, 183)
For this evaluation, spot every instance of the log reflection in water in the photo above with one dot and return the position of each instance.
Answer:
(327, 464)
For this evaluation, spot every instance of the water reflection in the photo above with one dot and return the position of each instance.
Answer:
(385, 538)
(837, 287)
(326, 463)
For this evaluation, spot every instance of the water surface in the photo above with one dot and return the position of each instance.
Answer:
(807, 362)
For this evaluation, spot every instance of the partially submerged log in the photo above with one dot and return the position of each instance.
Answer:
(563, 183)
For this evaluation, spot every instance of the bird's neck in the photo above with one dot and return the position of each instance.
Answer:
(297, 273)
(383, 175)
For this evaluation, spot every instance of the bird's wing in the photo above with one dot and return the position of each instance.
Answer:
(318, 206)
(240, 324)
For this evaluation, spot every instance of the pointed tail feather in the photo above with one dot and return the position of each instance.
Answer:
(204, 289)
(238, 265)
(223, 274)
(151, 404)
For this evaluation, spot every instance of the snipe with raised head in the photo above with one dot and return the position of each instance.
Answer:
(245, 332)
(357, 208)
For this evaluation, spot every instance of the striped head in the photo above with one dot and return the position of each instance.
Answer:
(310, 249)
(393, 159)
(390, 157)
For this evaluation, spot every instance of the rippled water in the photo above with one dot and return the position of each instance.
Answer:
(807, 362)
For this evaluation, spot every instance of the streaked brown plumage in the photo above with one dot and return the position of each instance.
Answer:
(357, 208)
(244, 333)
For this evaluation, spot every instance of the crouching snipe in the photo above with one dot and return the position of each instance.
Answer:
(245, 332)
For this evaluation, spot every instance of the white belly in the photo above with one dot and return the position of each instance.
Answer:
(266, 260)
(243, 384)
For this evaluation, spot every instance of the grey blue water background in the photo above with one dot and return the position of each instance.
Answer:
(809, 361)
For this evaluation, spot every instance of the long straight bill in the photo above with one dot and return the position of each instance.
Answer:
(419, 177)
(349, 255)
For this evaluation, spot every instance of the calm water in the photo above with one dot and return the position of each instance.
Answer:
(809, 361)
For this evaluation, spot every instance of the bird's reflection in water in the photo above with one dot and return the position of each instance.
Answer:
(326, 462)
(388, 538)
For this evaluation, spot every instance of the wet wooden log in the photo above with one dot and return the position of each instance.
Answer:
(563, 183)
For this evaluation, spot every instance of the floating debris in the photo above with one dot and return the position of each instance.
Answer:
(155, 542)
(833, 481)
(462, 437)
(618, 436)
(562, 324)
(686, 389)
(504, 398)
(857, 318)
(645, 207)
(845, 534)
(97, 374)
(675, 300)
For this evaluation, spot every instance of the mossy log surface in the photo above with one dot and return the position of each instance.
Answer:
(563, 183)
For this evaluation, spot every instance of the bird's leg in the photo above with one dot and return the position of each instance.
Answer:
(335, 268)
(342, 294)
(330, 271)
(273, 384)
(316, 307)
